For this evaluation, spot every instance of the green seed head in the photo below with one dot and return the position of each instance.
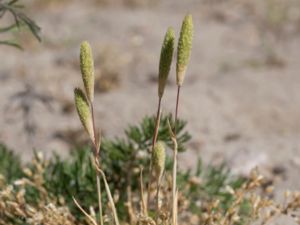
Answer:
(184, 48)
(87, 69)
(159, 158)
(165, 61)
(84, 112)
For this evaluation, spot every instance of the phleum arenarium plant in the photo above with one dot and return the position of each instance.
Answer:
(165, 62)
(183, 57)
(37, 193)
(184, 48)
(85, 109)
(240, 203)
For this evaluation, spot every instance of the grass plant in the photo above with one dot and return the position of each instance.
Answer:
(56, 191)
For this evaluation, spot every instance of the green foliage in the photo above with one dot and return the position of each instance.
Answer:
(142, 135)
(124, 156)
(20, 20)
(10, 165)
(75, 176)
(205, 184)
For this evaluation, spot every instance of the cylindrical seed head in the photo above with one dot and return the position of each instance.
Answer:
(184, 48)
(87, 69)
(159, 158)
(84, 112)
(165, 61)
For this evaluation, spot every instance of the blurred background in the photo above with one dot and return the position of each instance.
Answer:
(240, 97)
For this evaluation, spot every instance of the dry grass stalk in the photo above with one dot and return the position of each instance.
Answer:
(13, 203)
(110, 198)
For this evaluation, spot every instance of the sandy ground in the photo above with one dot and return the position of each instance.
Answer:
(241, 93)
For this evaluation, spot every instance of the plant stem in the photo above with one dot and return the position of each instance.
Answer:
(84, 212)
(94, 129)
(158, 114)
(99, 198)
(176, 110)
(110, 198)
(157, 200)
(97, 159)
(174, 180)
(96, 143)
(143, 203)
(154, 139)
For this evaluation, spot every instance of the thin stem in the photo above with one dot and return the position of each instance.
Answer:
(143, 204)
(154, 139)
(99, 199)
(174, 181)
(110, 198)
(96, 143)
(7, 28)
(156, 124)
(84, 212)
(157, 199)
(94, 130)
(174, 176)
(177, 106)
(11, 43)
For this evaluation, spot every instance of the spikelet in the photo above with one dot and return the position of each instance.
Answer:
(84, 112)
(165, 61)
(158, 159)
(87, 69)
(184, 48)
